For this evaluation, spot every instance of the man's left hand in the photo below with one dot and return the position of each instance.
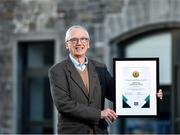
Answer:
(160, 94)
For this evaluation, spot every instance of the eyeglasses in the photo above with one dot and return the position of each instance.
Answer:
(75, 41)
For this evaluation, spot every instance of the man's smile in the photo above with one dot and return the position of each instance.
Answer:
(79, 48)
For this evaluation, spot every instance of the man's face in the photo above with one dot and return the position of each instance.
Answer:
(78, 42)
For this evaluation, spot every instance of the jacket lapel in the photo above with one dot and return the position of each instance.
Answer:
(76, 77)
(92, 78)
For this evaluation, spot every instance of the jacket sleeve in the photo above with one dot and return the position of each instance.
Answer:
(65, 104)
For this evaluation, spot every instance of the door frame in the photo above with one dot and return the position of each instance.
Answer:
(174, 28)
(25, 37)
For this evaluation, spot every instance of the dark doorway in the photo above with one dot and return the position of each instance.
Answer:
(35, 107)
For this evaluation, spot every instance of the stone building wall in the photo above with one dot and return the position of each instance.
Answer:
(6, 99)
(104, 19)
(28, 16)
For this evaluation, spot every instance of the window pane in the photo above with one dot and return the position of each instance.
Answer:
(36, 99)
(35, 56)
(156, 45)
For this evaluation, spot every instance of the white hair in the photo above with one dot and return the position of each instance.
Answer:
(75, 27)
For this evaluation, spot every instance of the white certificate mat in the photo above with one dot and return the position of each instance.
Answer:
(136, 84)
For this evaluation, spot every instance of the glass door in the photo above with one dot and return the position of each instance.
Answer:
(154, 45)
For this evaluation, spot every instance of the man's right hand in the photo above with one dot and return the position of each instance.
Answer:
(109, 115)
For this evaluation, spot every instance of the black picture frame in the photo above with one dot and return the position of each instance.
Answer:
(121, 107)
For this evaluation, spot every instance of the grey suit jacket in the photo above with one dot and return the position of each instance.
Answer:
(78, 110)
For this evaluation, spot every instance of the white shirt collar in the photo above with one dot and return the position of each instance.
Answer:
(77, 64)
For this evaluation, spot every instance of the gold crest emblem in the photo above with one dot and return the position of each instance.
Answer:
(135, 74)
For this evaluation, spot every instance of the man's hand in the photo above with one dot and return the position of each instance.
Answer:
(109, 115)
(160, 94)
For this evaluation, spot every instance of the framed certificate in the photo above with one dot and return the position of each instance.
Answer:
(136, 84)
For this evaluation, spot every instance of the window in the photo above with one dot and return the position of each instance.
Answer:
(35, 107)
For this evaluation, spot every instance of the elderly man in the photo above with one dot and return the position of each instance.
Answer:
(79, 87)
